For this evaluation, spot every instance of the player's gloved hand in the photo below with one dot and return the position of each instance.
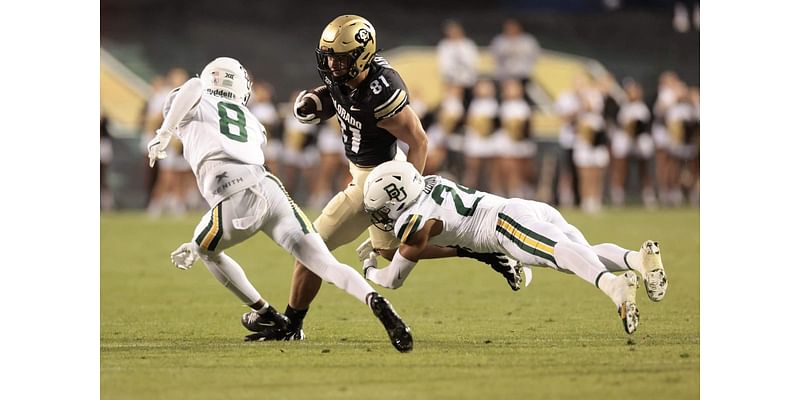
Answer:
(364, 250)
(370, 262)
(185, 255)
(499, 262)
(488, 258)
(306, 106)
(156, 148)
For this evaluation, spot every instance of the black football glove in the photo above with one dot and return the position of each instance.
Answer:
(499, 262)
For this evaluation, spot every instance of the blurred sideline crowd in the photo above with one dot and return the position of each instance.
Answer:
(614, 149)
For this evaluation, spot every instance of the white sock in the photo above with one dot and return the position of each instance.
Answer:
(580, 260)
(618, 259)
(232, 276)
(605, 282)
(312, 252)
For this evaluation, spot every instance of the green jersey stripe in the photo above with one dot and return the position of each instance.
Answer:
(298, 214)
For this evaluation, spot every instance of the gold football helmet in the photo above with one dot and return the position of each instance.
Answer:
(346, 48)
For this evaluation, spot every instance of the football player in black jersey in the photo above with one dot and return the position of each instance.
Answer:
(369, 98)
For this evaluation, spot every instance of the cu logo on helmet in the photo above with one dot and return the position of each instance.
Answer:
(395, 193)
(363, 36)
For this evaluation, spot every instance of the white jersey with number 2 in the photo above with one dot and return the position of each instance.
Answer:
(469, 215)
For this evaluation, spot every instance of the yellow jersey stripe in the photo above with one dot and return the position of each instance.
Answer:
(409, 227)
(536, 244)
(214, 229)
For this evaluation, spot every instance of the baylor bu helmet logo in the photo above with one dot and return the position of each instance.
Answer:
(395, 193)
(363, 36)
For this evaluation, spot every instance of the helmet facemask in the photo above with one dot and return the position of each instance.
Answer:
(381, 218)
(344, 65)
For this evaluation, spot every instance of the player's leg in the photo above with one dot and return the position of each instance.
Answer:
(311, 250)
(342, 221)
(290, 228)
(215, 233)
(531, 241)
(646, 261)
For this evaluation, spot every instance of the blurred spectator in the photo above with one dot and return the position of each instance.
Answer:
(437, 151)
(515, 54)
(694, 100)
(514, 142)
(106, 155)
(175, 180)
(591, 148)
(458, 59)
(264, 109)
(299, 152)
(445, 139)
(680, 18)
(333, 167)
(683, 126)
(632, 143)
(481, 122)
(668, 82)
(568, 106)
(148, 111)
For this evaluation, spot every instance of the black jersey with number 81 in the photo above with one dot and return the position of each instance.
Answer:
(381, 95)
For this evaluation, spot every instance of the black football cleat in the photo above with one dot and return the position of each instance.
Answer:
(272, 319)
(276, 335)
(399, 333)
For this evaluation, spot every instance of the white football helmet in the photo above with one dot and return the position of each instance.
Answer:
(225, 77)
(391, 188)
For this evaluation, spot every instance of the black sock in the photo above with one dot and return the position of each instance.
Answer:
(295, 317)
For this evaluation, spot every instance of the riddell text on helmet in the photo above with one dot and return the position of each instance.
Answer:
(219, 92)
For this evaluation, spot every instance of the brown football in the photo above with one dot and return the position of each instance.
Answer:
(327, 109)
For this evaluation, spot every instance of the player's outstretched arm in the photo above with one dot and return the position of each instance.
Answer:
(186, 98)
(405, 126)
(181, 101)
(404, 260)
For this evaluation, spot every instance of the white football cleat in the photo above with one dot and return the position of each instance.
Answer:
(655, 279)
(625, 298)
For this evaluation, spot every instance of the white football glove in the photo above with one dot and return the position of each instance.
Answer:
(185, 255)
(156, 148)
(300, 101)
(370, 262)
(364, 249)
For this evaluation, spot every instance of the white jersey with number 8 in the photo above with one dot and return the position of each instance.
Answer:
(218, 130)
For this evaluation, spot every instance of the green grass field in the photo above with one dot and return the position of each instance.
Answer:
(171, 334)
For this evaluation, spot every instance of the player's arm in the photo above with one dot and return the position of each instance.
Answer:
(184, 99)
(405, 259)
(405, 126)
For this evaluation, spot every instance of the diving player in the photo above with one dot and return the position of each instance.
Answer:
(435, 211)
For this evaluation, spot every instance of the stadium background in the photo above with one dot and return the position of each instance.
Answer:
(276, 41)
(168, 334)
